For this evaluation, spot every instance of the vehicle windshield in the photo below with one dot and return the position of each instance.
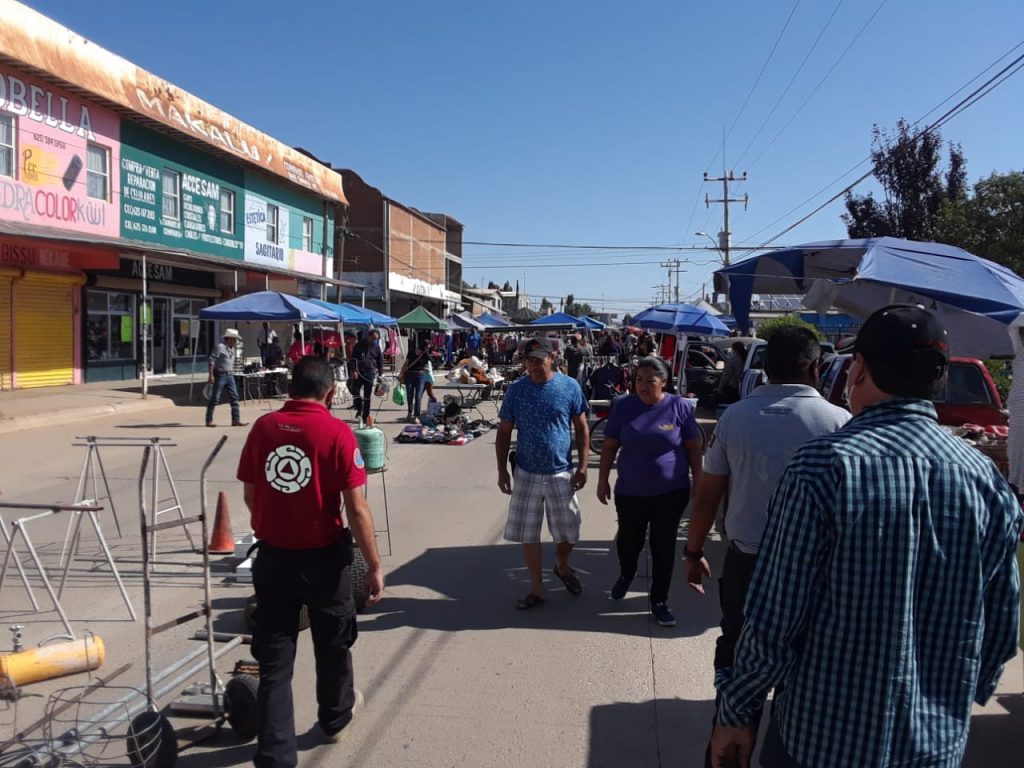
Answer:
(965, 384)
(757, 360)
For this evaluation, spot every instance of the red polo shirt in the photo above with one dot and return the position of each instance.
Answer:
(300, 459)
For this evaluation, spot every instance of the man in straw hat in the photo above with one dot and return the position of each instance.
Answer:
(222, 377)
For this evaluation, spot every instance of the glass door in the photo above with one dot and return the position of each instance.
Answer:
(154, 320)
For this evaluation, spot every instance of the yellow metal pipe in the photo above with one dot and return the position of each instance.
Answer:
(54, 660)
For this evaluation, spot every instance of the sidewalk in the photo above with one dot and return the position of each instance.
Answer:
(30, 408)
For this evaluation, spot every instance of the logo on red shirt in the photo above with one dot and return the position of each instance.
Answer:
(357, 459)
(288, 469)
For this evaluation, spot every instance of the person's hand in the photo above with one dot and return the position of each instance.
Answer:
(374, 585)
(579, 479)
(210, 380)
(604, 491)
(731, 747)
(505, 482)
(696, 570)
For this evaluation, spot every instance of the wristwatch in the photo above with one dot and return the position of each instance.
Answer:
(698, 555)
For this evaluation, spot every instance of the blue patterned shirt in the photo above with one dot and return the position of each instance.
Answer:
(885, 597)
(543, 414)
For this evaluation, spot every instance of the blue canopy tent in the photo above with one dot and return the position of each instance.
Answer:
(591, 323)
(462, 321)
(348, 314)
(559, 318)
(378, 318)
(974, 298)
(492, 321)
(680, 318)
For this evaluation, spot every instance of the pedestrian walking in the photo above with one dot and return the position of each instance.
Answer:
(413, 376)
(266, 337)
(298, 466)
(541, 407)
(753, 442)
(222, 378)
(885, 599)
(369, 364)
(660, 446)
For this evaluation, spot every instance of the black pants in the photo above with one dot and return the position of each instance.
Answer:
(361, 388)
(661, 514)
(285, 580)
(737, 572)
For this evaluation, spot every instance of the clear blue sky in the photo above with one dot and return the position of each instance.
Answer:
(585, 121)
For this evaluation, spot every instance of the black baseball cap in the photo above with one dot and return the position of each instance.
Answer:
(539, 348)
(906, 339)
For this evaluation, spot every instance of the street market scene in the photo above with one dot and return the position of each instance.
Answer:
(298, 473)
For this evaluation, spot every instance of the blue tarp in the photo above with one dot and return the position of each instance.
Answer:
(972, 296)
(591, 323)
(268, 305)
(680, 318)
(378, 318)
(460, 320)
(492, 321)
(349, 315)
(559, 318)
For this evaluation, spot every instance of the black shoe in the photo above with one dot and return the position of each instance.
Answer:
(620, 587)
(661, 614)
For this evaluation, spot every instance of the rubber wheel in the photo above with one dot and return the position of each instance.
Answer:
(359, 571)
(151, 741)
(240, 705)
(597, 436)
(250, 616)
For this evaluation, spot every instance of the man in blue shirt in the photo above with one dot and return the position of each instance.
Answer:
(885, 596)
(541, 406)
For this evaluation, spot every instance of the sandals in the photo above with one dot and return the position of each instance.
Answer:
(530, 601)
(571, 581)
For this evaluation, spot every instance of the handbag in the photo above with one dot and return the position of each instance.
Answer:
(428, 373)
(398, 396)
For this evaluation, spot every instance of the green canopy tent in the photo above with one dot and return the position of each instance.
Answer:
(421, 319)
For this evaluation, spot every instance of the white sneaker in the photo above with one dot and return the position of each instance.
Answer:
(357, 707)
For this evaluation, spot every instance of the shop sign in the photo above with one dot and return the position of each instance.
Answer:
(54, 129)
(161, 273)
(36, 255)
(258, 248)
(197, 227)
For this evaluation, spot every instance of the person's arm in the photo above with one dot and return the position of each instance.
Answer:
(582, 430)
(708, 495)
(608, 451)
(360, 520)
(249, 495)
(502, 443)
(695, 458)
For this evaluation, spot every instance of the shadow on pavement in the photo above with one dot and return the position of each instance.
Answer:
(658, 732)
(994, 738)
(472, 588)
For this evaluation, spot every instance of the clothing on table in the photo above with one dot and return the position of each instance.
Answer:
(655, 517)
(542, 414)
(652, 459)
(753, 442)
(606, 382)
(885, 596)
(298, 350)
(391, 347)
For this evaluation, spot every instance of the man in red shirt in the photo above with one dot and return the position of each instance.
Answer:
(297, 467)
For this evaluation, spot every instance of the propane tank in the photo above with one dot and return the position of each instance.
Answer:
(54, 660)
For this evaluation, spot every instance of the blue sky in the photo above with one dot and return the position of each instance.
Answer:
(583, 122)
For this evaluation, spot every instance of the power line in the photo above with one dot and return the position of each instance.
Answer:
(792, 80)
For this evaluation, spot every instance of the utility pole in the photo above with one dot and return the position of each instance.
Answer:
(674, 268)
(725, 236)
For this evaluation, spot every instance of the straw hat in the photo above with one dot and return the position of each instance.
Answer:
(232, 333)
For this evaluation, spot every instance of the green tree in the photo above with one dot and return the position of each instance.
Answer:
(575, 308)
(507, 287)
(492, 286)
(768, 327)
(990, 223)
(545, 305)
(916, 189)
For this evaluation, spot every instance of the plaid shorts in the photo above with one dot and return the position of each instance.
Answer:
(532, 496)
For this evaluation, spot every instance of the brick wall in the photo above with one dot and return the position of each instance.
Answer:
(416, 246)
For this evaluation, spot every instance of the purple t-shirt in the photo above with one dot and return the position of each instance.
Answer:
(652, 457)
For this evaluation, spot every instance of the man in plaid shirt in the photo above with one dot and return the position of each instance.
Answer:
(885, 596)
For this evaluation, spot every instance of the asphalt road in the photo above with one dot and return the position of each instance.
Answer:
(453, 674)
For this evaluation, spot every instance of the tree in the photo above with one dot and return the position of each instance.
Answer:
(990, 223)
(545, 305)
(492, 286)
(507, 287)
(574, 308)
(915, 189)
(768, 327)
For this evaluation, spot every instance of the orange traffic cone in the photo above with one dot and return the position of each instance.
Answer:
(222, 542)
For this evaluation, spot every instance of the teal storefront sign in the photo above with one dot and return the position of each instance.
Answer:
(174, 196)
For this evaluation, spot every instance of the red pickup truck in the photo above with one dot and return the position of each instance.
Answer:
(969, 397)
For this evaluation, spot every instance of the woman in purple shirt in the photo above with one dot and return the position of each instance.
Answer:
(660, 449)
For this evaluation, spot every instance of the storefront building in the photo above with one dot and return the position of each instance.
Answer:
(123, 215)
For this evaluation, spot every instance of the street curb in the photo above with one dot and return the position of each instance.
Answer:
(82, 413)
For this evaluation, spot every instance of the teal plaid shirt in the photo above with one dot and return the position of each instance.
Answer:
(885, 598)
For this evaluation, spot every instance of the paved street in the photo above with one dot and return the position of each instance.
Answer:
(453, 675)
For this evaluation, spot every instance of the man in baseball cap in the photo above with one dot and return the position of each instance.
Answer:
(222, 377)
(885, 599)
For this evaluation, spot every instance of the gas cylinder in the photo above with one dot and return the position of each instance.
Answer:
(53, 660)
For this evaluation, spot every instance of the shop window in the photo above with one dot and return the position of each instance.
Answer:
(227, 211)
(307, 233)
(7, 146)
(191, 337)
(98, 172)
(272, 220)
(110, 326)
(171, 187)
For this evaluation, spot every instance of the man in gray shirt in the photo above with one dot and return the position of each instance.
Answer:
(222, 378)
(747, 455)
